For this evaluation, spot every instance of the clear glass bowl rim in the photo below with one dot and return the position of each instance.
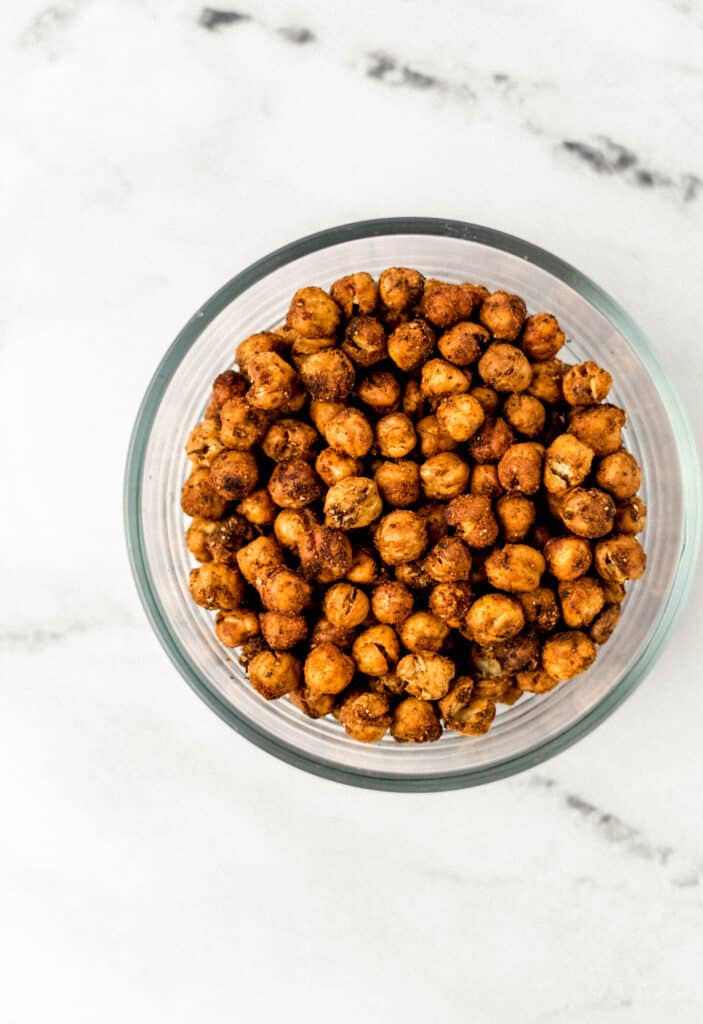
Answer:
(690, 472)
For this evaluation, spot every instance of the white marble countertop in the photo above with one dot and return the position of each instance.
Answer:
(154, 866)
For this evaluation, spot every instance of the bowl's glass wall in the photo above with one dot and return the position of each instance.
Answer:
(530, 725)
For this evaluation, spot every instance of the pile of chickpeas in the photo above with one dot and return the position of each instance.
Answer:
(407, 509)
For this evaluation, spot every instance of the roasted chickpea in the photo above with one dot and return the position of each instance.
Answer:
(415, 721)
(587, 512)
(401, 537)
(613, 592)
(450, 602)
(449, 561)
(313, 313)
(525, 414)
(241, 426)
(433, 439)
(494, 689)
(395, 435)
(376, 650)
(327, 669)
(258, 508)
(365, 716)
(200, 498)
(350, 432)
(328, 376)
(491, 441)
(204, 443)
(325, 554)
(516, 568)
(444, 476)
(568, 558)
(568, 654)
(229, 384)
(460, 416)
(365, 341)
(567, 463)
(313, 705)
(352, 503)
(321, 413)
(487, 398)
(581, 600)
(281, 632)
(599, 427)
(513, 655)
(542, 337)
(463, 343)
(535, 681)
(325, 632)
(379, 390)
(409, 345)
(261, 343)
(540, 608)
(214, 585)
(426, 675)
(435, 516)
(472, 515)
(236, 627)
(303, 348)
(293, 484)
(619, 474)
(273, 382)
(631, 516)
(198, 536)
(602, 628)
(234, 475)
(355, 294)
(283, 590)
(516, 515)
(257, 559)
(440, 378)
(332, 466)
(412, 575)
(620, 558)
(391, 602)
(363, 568)
(423, 631)
(484, 480)
(520, 468)
(505, 368)
(413, 403)
(249, 650)
(586, 384)
(289, 439)
(503, 314)
(290, 524)
(400, 288)
(228, 537)
(345, 605)
(445, 304)
(274, 673)
(465, 714)
(546, 381)
(494, 617)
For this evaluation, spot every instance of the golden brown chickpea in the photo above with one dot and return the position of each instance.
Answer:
(257, 559)
(234, 628)
(355, 294)
(313, 705)
(325, 554)
(204, 443)
(332, 466)
(290, 524)
(229, 384)
(391, 602)
(409, 345)
(412, 575)
(415, 721)
(365, 341)
(599, 427)
(283, 590)
(303, 348)
(546, 381)
(440, 378)
(516, 568)
(401, 537)
(444, 476)
(613, 592)
(234, 474)
(498, 690)
(363, 568)
(395, 435)
(328, 376)
(325, 632)
(433, 439)
(413, 402)
(503, 314)
(472, 515)
(568, 558)
(327, 669)
(587, 512)
(520, 468)
(199, 497)
(423, 631)
(484, 480)
(450, 602)
(379, 390)
(516, 515)
(535, 681)
(567, 463)
(449, 561)
(435, 516)
(273, 382)
(541, 609)
(487, 398)
(345, 605)
(567, 654)
(426, 675)
(350, 432)
(274, 673)
(542, 337)
(400, 288)
(289, 439)
(258, 508)
(313, 313)
(619, 474)
(365, 716)
(491, 441)
(261, 343)
(293, 484)
(198, 537)
(525, 414)
(620, 558)
(376, 650)
(214, 585)
(581, 600)
(241, 426)
(463, 343)
(631, 516)
(505, 368)
(321, 413)
(494, 617)
(517, 653)
(249, 650)
(352, 503)
(602, 629)
(228, 537)
(445, 304)
(281, 632)
(586, 384)
(462, 713)
(460, 416)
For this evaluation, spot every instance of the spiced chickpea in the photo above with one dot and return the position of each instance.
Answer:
(321, 413)
(542, 337)
(435, 515)
(365, 341)
(487, 398)
(602, 628)
(350, 432)
(234, 475)
(450, 602)
(200, 498)
(567, 654)
(433, 439)
(517, 653)
(520, 468)
(413, 404)
(568, 558)
(587, 512)
(289, 439)
(327, 669)
(395, 435)
(567, 463)
(380, 391)
(498, 690)
(494, 617)
(613, 591)
(620, 475)
(290, 525)
(283, 590)
(631, 516)
(228, 536)
(355, 294)
(345, 605)
(241, 426)
(328, 376)
(541, 609)
(460, 416)
(449, 561)
(491, 441)
(274, 673)
(426, 675)
(391, 602)
(525, 414)
(272, 382)
(261, 343)
(505, 368)
(409, 345)
(258, 508)
(581, 600)
(516, 515)
(294, 484)
(444, 476)
(423, 631)
(376, 650)
(313, 705)
(352, 503)
(620, 558)
(546, 381)
(484, 480)
(503, 314)
(363, 569)
(198, 536)
(257, 559)
(472, 515)
(415, 721)
(325, 632)
(535, 681)
(401, 537)
(440, 378)
(446, 304)
(400, 288)
(204, 443)
(229, 384)
(412, 575)
(234, 628)
(515, 567)
(464, 713)
(599, 427)
(332, 466)
(365, 716)
(213, 585)
(281, 632)
(313, 313)
(586, 384)
(325, 554)
(463, 343)
(303, 348)
(249, 650)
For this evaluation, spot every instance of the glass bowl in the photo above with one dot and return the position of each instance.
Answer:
(657, 433)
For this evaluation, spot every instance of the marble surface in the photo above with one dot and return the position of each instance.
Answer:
(154, 866)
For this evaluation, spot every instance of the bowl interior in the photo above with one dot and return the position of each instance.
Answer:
(257, 300)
